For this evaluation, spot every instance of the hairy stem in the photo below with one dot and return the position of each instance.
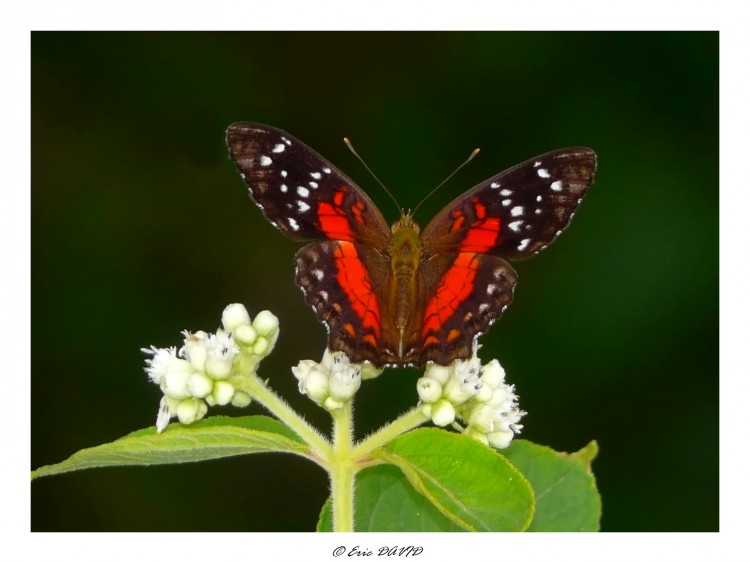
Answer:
(342, 471)
(255, 387)
(404, 423)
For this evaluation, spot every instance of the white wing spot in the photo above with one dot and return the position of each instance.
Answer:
(242, 175)
(265, 161)
(524, 244)
(284, 188)
(558, 233)
(302, 206)
(318, 274)
(516, 211)
(506, 192)
(283, 173)
(491, 288)
(278, 148)
(315, 175)
(287, 141)
(303, 191)
(495, 185)
(515, 225)
(543, 173)
(327, 170)
(293, 224)
(313, 184)
(537, 164)
(506, 202)
(539, 198)
(483, 307)
(556, 186)
(538, 211)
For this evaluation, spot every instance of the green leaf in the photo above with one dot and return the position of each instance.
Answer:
(384, 501)
(212, 438)
(468, 482)
(567, 499)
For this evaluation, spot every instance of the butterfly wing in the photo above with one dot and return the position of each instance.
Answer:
(467, 282)
(518, 212)
(306, 197)
(462, 294)
(300, 192)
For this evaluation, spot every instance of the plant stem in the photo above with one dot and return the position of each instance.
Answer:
(404, 423)
(342, 471)
(257, 389)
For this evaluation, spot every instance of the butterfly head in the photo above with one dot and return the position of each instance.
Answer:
(405, 222)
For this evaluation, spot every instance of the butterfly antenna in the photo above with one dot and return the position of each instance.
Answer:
(351, 148)
(474, 153)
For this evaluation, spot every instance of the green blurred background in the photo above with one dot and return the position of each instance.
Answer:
(141, 228)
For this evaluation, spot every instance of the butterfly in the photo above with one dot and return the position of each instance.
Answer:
(397, 295)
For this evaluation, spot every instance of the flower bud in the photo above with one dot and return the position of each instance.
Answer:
(429, 389)
(303, 368)
(175, 382)
(260, 347)
(199, 385)
(458, 391)
(235, 316)
(241, 399)
(266, 323)
(443, 413)
(344, 383)
(481, 418)
(218, 367)
(441, 374)
(222, 392)
(315, 385)
(484, 394)
(500, 439)
(189, 410)
(493, 374)
(245, 335)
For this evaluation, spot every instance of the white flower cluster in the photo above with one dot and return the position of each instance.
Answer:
(333, 381)
(208, 368)
(476, 394)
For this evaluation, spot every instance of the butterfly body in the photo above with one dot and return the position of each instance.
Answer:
(401, 295)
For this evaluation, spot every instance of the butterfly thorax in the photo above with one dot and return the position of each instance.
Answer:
(404, 251)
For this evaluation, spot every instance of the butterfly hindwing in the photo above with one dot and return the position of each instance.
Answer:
(300, 192)
(518, 212)
(341, 280)
(464, 293)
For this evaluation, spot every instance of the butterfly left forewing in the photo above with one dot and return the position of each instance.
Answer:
(299, 191)
(518, 212)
